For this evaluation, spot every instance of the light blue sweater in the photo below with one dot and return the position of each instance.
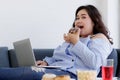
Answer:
(86, 54)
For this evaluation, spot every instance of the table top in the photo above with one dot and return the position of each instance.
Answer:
(114, 78)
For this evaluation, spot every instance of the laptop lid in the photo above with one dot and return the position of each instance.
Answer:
(24, 53)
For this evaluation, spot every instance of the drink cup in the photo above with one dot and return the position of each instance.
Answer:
(107, 69)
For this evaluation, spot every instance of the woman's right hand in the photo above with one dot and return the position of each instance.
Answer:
(41, 63)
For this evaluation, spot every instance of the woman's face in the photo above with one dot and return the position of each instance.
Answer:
(84, 22)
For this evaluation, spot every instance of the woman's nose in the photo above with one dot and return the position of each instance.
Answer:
(79, 21)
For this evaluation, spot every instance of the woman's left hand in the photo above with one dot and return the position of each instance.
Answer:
(72, 36)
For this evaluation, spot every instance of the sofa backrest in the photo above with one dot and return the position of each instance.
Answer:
(40, 54)
(118, 66)
(8, 57)
(113, 56)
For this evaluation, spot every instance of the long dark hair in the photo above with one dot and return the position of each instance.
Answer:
(94, 14)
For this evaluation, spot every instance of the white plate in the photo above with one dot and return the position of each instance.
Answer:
(50, 67)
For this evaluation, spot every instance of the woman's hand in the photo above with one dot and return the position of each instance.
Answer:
(41, 63)
(72, 36)
(66, 38)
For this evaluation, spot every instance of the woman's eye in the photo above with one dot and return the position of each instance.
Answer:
(77, 19)
(83, 17)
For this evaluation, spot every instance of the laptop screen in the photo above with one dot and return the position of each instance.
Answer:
(24, 53)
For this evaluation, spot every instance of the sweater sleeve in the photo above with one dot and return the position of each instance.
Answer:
(49, 60)
(58, 54)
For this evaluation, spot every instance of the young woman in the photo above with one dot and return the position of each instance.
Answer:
(86, 47)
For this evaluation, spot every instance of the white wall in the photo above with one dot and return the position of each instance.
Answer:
(43, 21)
(110, 14)
(113, 21)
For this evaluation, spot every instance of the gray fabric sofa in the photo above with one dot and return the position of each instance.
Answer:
(8, 57)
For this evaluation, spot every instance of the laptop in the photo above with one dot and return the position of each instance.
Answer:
(24, 53)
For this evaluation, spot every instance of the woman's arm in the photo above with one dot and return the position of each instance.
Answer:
(95, 52)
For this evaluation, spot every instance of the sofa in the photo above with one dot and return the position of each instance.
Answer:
(8, 57)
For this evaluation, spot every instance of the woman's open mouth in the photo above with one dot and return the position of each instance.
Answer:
(80, 27)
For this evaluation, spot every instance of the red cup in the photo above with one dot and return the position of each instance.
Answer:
(107, 70)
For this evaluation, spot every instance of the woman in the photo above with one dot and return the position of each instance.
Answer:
(86, 47)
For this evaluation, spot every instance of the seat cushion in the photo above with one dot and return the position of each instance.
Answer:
(4, 59)
(13, 58)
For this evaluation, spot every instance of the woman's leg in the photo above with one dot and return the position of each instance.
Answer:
(20, 73)
(29, 73)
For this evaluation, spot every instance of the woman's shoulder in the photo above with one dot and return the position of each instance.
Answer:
(100, 40)
(99, 36)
